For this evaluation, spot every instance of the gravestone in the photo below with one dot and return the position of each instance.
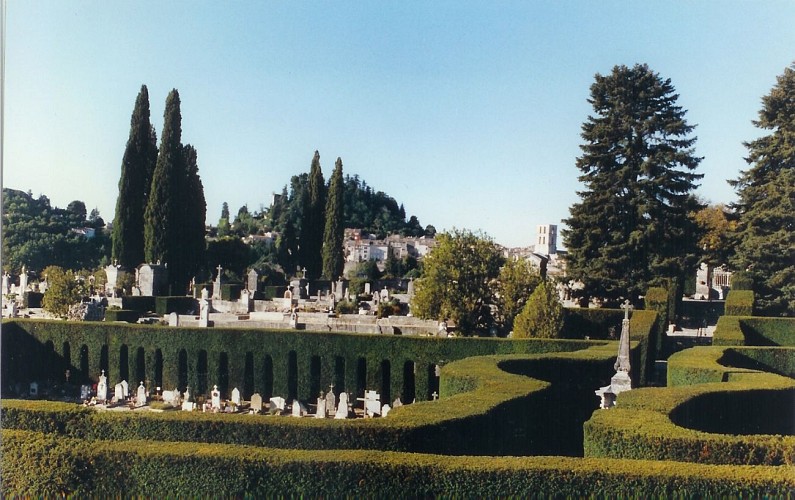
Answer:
(342, 408)
(296, 408)
(33, 389)
(331, 402)
(102, 387)
(277, 405)
(125, 387)
(173, 319)
(320, 412)
(385, 410)
(252, 282)
(140, 397)
(6, 283)
(114, 274)
(372, 403)
(397, 403)
(188, 406)
(246, 301)
(410, 287)
(118, 393)
(187, 396)
(217, 285)
(204, 309)
(256, 402)
(153, 279)
(367, 289)
(85, 392)
(23, 281)
(236, 396)
(215, 398)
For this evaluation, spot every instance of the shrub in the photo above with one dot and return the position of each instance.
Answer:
(742, 280)
(179, 304)
(346, 307)
(141, 304)
(542, 315)
(740, 303)
(125, 315)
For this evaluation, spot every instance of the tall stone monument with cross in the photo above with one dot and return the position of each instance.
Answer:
(620, 382)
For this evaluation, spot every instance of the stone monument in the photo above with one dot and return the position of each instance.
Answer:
(102, 387)
(204, 309)
(620, 382)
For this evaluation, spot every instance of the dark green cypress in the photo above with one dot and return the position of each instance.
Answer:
(334, 231)
(632, 227)
(311, 239)
(162, 219)
(194, 218)
(137, 166)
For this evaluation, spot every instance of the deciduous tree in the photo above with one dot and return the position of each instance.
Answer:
(516, 282)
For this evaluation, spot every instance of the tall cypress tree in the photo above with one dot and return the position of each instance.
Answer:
(137, 166)
(162, 219)
(194, 217)
(312, 222)
(766, 203)
(334, 231)
(632, 227)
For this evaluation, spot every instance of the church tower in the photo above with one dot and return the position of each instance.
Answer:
(547, 239)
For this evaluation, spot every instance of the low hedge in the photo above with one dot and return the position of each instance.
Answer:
(178, 304)
(754, 331)
(231, 291)
(32, 299)
(125, 315)
(740, 303)
(39, 465)
(138, 303)
(471, 422)
(652, 424)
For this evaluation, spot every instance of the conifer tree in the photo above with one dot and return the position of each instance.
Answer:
(137, 166)
(312, 222)
(163, 214)
(194, 217)
(766, 203)
(334, 232)
(632, 227)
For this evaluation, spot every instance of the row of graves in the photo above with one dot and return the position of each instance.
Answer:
(327, 404)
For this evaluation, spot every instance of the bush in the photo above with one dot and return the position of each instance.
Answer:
(740, 303)
(179, 304)
(346, 307)
(542, 315)
(141, 304)
(125, 315)
(32, 299)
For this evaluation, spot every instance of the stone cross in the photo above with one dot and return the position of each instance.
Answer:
(435, 395)
(627, 307)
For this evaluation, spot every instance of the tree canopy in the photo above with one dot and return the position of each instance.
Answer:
(542, 315)
(457, 281)
(517, 280)
(312, 222)
(766, 203)
(632, 227)
(334, 232)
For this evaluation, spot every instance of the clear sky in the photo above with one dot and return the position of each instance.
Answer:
(467, 113)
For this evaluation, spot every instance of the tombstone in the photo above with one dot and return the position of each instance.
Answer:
(125, 387)
(256, 402)
(217, 284)
(172, 397)
(6, 284)
(236, 396)
(102, 387)
(13, 309)
(140, 397)
(702, 281)
(173, 319)
(294, 319)
(152, 279)
(331, 402)
(43, 286)
(397, 403)
(33, 390)
(246, 302)
(320, 412)
(188, 406)
(442, 331)
(118, 393)
(204, 309)
(215, 397)
(384, 295)
(372, 403)
(252, 283)
(187, 396)
(277, 405)
(385, 410)
(85, 392)
(23, 281)
(296, 408)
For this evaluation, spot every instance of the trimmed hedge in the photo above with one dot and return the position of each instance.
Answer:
(32, 299)
(754, 331)
(471, 423)
(740, 303)
(125, 315)
(231, 291)
(742, 280)
(660, 424)
(178, 304)
(141, 303)
(37, 465)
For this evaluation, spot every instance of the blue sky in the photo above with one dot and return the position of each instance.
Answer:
(467, 113)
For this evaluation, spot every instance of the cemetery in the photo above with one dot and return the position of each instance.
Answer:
(385, 413)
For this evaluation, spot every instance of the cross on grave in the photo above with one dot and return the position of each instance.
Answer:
(219, 270)
(435, 395)
(627, 307)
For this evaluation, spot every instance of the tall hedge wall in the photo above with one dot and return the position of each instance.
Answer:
(39, 465)
(740, 303)
(754, 331)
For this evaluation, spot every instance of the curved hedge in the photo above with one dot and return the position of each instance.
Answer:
(754, 331)
(470, 422)
(650, 423)
(39, 465)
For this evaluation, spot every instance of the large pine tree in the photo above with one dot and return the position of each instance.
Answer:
(632, 228)
(766, 203)
(311, 239)
(137, 166)
(334, 231)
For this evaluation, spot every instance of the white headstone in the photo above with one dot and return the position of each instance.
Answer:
(277, 404)
(173, 319)
(140, 398)
(321, 407)
(102, 387)
(215, 397)
(296, 408)
(256, 402)
(236, 396)
(385, 410)
(372, 403)
(342, 408)
(204, 309)
(186, 396)
(125, 387)
(397, 403)
(33, 389)
(118, 392)
(331, 402)
(188, 406)
(367, 288)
